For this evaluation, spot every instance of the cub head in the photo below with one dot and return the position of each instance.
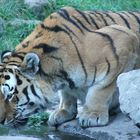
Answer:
(32, 94)
(7, 109)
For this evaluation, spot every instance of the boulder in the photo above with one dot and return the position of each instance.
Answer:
(36, 3)
(129, 94)
(40, 7)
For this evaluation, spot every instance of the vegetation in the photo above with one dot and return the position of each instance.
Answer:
(38, 119)
(11, 35)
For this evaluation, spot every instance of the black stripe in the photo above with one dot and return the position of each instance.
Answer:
(63, 30)
(93, 21)
(18, 56)
(66, 77)
(125, 20)
(9, 70)
(70, 30)
(42, 107)
(102, 16)
(126, 14)
(46, 100)
(46, 48)
(16, 91)
(110, 17)
(13, 61)
(108, 66)
(93, 13)
(29, 60)
(34, 92)
(136, 17)
(80, 58)
(63, 13)
(25, 92)
(83, 15)
(111, 43)
(19, 81)
(82, 24)
(94, 77)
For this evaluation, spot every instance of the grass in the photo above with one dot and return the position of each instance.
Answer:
(11, 9)
(38, 119)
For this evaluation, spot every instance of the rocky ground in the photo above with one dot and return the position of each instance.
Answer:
(17, 138)
(119, 128)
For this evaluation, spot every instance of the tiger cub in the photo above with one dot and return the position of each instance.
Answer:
(85, 68)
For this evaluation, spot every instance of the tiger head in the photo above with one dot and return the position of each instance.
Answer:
(32, 95)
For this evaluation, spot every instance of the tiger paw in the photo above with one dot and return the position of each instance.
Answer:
(93, 118)
(60, 116)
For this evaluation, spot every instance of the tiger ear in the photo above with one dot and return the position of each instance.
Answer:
(30, 63)
(5, 53)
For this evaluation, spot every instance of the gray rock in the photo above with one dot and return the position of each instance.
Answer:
(129, 94)
(1, 26)
(119, 128)
(40, 7)
(36, 3)
(17, 138)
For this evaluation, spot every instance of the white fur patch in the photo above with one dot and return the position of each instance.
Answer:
(9, 86)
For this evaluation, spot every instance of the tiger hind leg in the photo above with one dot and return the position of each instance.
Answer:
(67, 110)
(96, 108)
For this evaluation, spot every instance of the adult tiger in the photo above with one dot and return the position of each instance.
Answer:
(83, 67)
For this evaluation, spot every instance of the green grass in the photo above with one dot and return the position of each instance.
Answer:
(38, 119)
(114, 5)
(11, 9)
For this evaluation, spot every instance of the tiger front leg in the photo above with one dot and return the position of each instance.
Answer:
(67, 110)
(96, 109)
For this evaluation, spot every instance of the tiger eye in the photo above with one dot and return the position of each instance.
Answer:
(31, 103)
(7, 77)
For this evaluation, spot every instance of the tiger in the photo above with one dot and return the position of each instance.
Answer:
(77, 62)
(12, 80)
(7, 109)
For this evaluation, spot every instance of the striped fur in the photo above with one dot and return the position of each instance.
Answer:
(23, 92)
(77, 61)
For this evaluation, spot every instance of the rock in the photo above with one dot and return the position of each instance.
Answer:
(40, 7)
(119, 128)
(36, 3)
(1, 26)
(17, 138)
(129, 94)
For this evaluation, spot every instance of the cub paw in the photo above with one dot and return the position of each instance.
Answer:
(60, 116)
(93, 118)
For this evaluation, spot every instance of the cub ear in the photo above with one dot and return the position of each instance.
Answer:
(30, 63)
(5, 53)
